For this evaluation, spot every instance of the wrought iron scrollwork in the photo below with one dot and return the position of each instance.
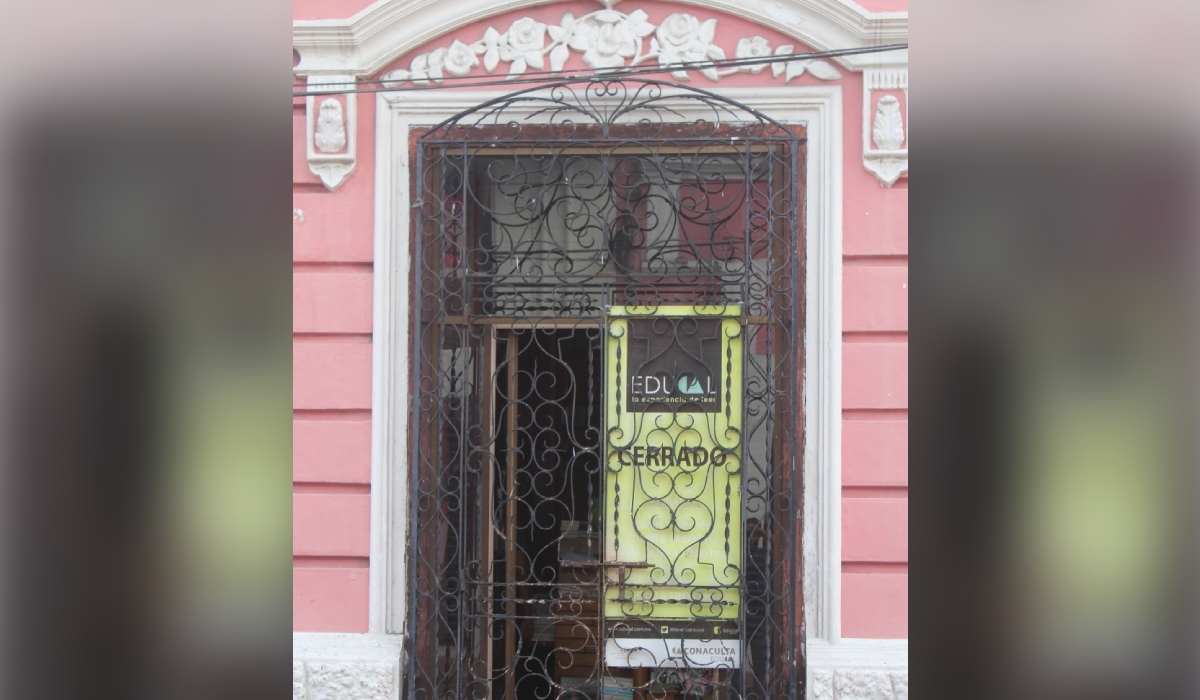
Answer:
(535, 215)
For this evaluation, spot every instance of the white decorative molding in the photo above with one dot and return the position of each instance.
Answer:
(369, 667)
(885, 146)
(333, 646)
(331, 135)
(858, 669)
(345, 666)
(606, 39)
(365, 43)
(819, 109)
(888, 133)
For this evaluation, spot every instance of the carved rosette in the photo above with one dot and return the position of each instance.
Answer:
(605, 40)
(885, 136)
(330, 127)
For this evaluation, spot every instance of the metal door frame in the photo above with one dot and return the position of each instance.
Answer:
(626, 96)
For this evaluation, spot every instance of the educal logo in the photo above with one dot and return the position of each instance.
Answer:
(665, 388)
(674, 366)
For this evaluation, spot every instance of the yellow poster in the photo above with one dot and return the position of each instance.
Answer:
(673, 520)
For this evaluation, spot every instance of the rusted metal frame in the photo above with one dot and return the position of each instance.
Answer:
(455, 476)
(422, 631)
(530, 322)
(792, 261)
(505, 322)
(673, 136)
(602, 576)
(486, 494)
(780, 502)
(725, 677)
(536, 147)
(616, 131)
(784, 329)
(467, 409)
(510, 525)
(796, 301)
(602, 466)
(483, 602)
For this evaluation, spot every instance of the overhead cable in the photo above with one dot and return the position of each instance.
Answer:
(534, 77)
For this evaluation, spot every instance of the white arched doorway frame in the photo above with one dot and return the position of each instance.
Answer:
(819, 110)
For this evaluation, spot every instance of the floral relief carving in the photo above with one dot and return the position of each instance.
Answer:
(794, 69)
(683, 39)
(526, 41)
(754, 47)
(605, 40)
(460, 59)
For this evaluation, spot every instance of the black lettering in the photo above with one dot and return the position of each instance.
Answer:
(639, 453)
(623, 457)
(718, 456)
(701, 457)
(652, 456)
(668, 456)
(685, 457)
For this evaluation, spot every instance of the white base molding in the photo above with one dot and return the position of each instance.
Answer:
(345, 666)
(367, 667)
(858, 669)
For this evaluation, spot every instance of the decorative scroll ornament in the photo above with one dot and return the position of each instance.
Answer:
(330, 130)
(330, 136)
(606, 40)
(889, 127)
(885, 151)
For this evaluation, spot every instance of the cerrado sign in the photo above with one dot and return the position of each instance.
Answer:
(673, 512)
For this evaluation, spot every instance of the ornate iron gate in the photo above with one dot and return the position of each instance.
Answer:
(539, 219)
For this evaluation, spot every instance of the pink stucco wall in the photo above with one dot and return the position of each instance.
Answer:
(874, 391)
(333, 244)
(332, 324)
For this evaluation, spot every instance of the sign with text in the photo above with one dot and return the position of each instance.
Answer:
(640, 643)
(675, 365)
(673, 517)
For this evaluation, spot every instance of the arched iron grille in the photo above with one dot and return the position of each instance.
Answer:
(544, 223)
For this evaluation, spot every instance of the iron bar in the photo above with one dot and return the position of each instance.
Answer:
(534, 217)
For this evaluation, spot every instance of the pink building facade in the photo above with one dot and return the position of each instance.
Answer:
(353, 203)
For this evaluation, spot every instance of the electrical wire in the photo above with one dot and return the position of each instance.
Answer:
(749, 60)
(548, 77)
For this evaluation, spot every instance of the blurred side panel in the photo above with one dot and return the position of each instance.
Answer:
(146, 502)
